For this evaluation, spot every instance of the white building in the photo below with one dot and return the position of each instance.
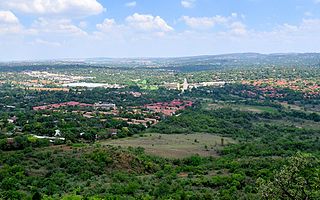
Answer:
(185, 85)
(105, 105)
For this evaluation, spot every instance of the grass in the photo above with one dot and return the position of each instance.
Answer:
(305, 108)
(257, 109)
(175, 145)
(248, 108)
(78, 145)
(308, 124)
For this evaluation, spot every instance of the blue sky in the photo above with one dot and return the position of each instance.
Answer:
(48, 29)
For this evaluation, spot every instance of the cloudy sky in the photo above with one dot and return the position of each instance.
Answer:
(48, 29)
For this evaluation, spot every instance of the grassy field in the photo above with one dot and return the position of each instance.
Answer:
(306, 108)
(248, 108)
(175, 145)
(297, 123)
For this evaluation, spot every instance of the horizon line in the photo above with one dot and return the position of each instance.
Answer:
(146, 57)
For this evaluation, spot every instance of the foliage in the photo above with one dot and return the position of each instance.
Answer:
(299, 179)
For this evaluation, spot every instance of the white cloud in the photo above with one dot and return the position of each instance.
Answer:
(57, 26)
(309, 28)
(45, 42)
(234, 15)
(148, 23)
(136, 22)
(55, 36)
(238, 28)
(188, 3)
(8, 17)
(107, 25)
(83, 24)
(131, 4)
(9, 23)
(310, 24)
(204, 22)
(230, 24)
(58, 7)
(137, 27)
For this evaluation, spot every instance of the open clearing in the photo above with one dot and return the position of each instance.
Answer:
(308, 124)
(248, 108)
(174, 145)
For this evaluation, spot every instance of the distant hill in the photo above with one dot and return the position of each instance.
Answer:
(184, 64)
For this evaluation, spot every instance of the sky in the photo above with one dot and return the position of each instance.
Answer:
(54, 29)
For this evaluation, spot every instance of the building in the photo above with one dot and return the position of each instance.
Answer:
(58, 105)
(105, 106)
(169, 108)
(185, 85)
(136, 94)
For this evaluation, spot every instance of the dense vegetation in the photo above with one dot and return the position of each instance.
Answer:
(110, 172)
(275, 129)
(96, 171)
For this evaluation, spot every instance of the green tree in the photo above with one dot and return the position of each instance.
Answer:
(299, 180)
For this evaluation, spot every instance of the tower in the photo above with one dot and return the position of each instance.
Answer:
(185, 85)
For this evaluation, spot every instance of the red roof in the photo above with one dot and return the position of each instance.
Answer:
(71, 103)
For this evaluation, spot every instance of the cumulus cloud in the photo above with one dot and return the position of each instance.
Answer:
(46, 43)
(148, 23)
(137, 27)
(133, 36)
(307, 28)
(107, 25)
(9, 23)
(8, 17)
(230, 24)
(57, 26)
(188, 3)
(83, 24)
(238, 28)
(131, 4)
(204, 22)
(58, 7)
